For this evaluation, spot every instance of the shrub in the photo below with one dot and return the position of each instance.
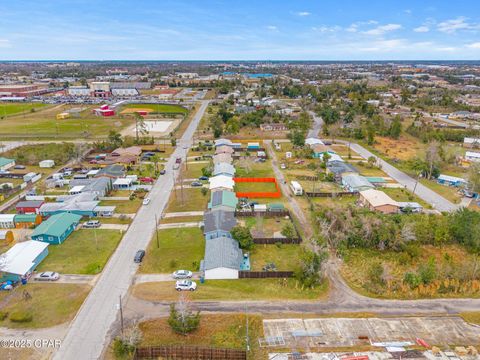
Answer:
(183, 321)
(243, 236)
(21, 316)
(121, 349)
(412, 280)
(173, 264)
(3, 315)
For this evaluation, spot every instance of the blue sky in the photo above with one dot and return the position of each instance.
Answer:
(239, 30)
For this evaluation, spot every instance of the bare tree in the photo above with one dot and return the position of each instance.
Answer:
(432, 156)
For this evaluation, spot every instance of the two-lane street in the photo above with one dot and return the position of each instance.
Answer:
(88, 333)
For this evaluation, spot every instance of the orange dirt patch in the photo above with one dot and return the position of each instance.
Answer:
(402, 149)
(133, 110)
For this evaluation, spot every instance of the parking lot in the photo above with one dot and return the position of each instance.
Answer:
(343, 332)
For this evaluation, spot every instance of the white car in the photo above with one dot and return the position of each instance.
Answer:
(183, 285)
(182, 274)
(146, 201)
(47, 276)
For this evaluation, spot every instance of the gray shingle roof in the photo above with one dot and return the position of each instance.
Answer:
(222, 252)
(340, 167)
(219, 220)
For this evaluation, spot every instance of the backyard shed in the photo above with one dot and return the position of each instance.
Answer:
(56, 228)
(223, 258)
(21, 259)
(25, 221)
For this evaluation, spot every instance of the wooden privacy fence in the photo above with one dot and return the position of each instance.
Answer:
(258, 194)
(179, 352)
(252, 213)
(273, 241)
(264, 274)
(329, 194)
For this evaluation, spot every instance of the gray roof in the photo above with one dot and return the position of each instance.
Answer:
(112, 171)
(219, 219)
(222, 252)
(356, 182)
(29, 203)
(223, 168)
(80, 202)
(340, 167)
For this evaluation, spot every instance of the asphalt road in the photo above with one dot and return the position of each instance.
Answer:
(88, 333)
(317, 125)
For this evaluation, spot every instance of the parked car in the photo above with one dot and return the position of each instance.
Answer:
(92, 224)
(93, 161)
(139, 256)
(146, 201)
(162, 172)
(183, 285)
(7, 285)
(148, 180)
(19, 167)
(182, 274)
(47, 276)
(282, 166)
(203, 178)
(196, 184)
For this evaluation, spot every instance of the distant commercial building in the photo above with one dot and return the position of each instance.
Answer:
(100, 89)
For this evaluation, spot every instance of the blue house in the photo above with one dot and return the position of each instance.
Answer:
(451, 181)
(56, 228)
(21, 259)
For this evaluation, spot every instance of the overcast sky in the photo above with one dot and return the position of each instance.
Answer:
(240, 30)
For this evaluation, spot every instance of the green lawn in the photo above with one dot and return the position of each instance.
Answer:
(192, 200)
(7, 109)
(248, 168)
(79, 254)
(255, 187)
(50, 304)
(160, 108)
(448, 192)
(123, 206)
(193, 170)
(404, 195)
(267, 226)
(178, 249)
(234, 290)
(286, 257)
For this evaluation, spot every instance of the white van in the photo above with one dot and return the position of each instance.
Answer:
(296, 188)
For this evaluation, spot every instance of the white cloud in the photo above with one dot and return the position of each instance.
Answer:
(460, 23)
(272, 28)
(4, 43)
(303, 13)
(327, 29)
(422, 29)
(382, 29)
(475, 45)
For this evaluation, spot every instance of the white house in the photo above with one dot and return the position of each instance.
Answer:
(472, 156)
(7, 221)
(46, 163)
(221, 182)
(22, 258)
(223, 258)
(313, 141)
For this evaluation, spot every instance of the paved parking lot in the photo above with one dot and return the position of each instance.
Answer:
(339, 332)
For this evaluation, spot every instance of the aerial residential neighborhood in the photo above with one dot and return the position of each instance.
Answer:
(251, 181)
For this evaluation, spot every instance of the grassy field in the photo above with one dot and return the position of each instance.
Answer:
(125, 206)
(234, 290)
(471, 317)
(449, 262)
(181, 219)
(215, 330)
(33, 154)
(178, 249)
(265, 226)
(255, 187)
(50, 304)
(404, 195)
(7, 109)
(193, 200)
(193, 170)
(286, 257)
(448, 192)
(248, 168)
(43, 124)
(159, 108)
(79, 253)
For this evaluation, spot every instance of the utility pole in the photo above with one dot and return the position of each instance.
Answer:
(156, 230)
(247, 336)
(121, 312)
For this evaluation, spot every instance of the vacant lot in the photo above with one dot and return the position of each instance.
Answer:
(264, 227)
(448, 192)
(216, 330)
(448, 278)
(157, 108)
(50, 304)
(255, 187)
(407, 147)
(249, 168)
(33, 154)
(123, 206)
(286, 257)
(233, 290)
(177, 249)
(82, 252)
(7, 109)
(187, 200)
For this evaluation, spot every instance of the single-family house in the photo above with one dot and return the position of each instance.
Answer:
(355, 183)
(99, 186)
(273, 127)
(56, 228)
(218, 222)
(223, 142)
(451, 180)
(223, 199)
(222, 158)
(311, 141)
(83, 204)
(46, 164)
(26, 221)
(6, 164)
(224, 169)
(224, 149)
(104, 211)
(472, 156)
(253, 146)
(221, 182)
(472, 143)
(112, 172)
(22, 259)
(222, 260)
(377, 200)
(339, 168)
(7, 221)
(123, 183)
(29, 206)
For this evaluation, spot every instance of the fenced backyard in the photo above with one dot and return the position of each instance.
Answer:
(181, 352)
